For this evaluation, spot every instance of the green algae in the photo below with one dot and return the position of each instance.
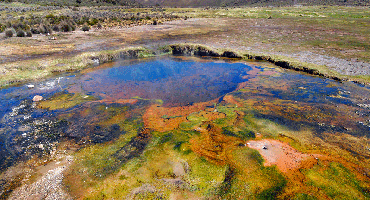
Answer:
(65, 101)
(156, 165)
(252, 179)
(337, 181)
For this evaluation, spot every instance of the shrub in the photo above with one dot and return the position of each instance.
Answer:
(85, 28)
(155, 22)
(35, 31)
(56, 28)
(21, 33)
(99, 26)
(65, 27)
(28, 34)
(43, 28)
(8, 24)
(93, 21)
(9, 33)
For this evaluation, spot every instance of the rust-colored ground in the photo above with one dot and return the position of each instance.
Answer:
(164, 119)
(285, 157)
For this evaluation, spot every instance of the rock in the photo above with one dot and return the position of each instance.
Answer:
(37, 98)
(230, 54)
(30, 86)
(143, 189)
(175, 182)
(178, 169)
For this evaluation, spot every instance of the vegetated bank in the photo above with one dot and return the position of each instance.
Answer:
(92, 59)
(281, 61)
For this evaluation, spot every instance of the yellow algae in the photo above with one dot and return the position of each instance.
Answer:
(65, 101)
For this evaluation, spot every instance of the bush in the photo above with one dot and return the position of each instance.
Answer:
(43, 28)
(28, 34)
(65, 27)
(155, 22)
(56, 28)
(8, 33)
(21, 33)
(99, 26)
(35, 31)
(93, 21)
(8, 24)
(85, 28)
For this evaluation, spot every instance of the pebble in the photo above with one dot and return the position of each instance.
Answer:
(30, 86)
(37, 98)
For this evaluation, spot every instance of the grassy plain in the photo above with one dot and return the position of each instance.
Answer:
(294, 34)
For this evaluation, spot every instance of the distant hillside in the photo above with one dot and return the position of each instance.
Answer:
(198, 3)
(78, 2)
(194, 3)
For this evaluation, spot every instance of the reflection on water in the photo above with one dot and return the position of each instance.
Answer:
(176, 83)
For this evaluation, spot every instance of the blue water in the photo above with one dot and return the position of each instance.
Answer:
(176, 83)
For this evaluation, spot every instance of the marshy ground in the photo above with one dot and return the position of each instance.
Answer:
(269, 133)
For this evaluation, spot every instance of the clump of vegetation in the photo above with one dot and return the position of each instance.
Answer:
(28, 34)
(85, 28)
(9, 33)
(56, 28)
(35, 31)
(45, 29)
(21, 33)
(2, 28)
(83, 19)
(66, 27)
